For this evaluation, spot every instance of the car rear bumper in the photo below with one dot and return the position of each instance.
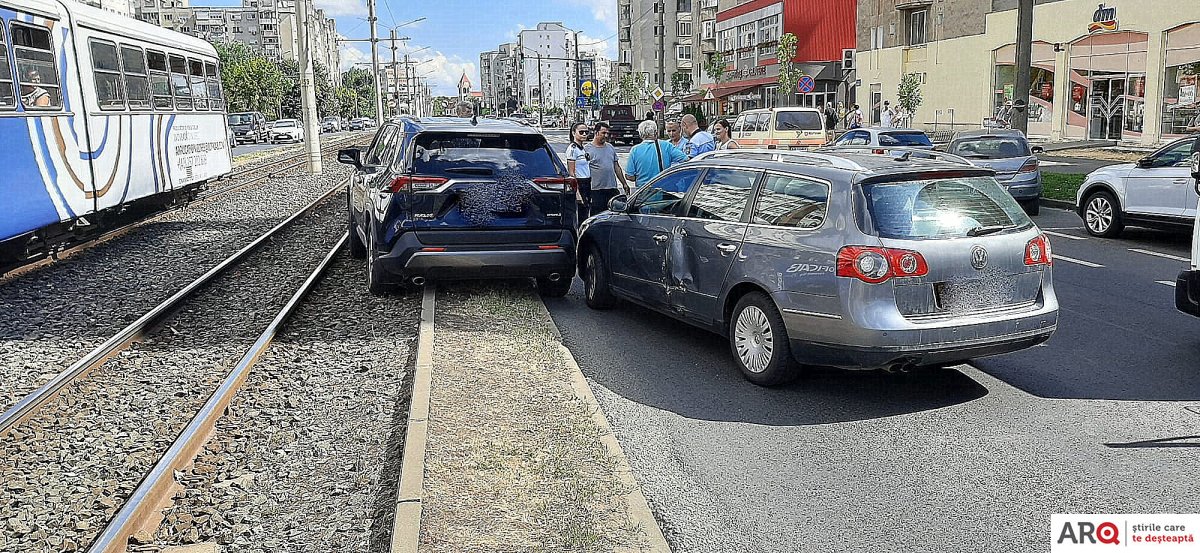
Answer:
(1024, 188)
(1187, 292)
(869, 349)
(410, 257)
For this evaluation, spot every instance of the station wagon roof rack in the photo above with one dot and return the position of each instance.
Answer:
(900, 153)
(805, 157)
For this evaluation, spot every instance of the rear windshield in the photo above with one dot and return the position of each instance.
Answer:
(914, 138)
(241, 118)
(483, 154)
(285, 123)
(992, 147)
(942, 208)
(799, 121)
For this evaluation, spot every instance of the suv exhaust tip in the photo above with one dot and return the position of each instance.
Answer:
(554, 277)
(418, 281)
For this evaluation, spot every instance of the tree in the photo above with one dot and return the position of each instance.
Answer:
(253, 85)
(349, 103)
(788, 74)
(716, 67)
(362, 82)
(681, 83)
(630, 89)
(908, 94)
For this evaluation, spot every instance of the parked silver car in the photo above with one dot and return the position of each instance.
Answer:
(841, 258)
(1015, 162)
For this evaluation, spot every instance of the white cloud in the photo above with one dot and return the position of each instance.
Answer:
(605, 11)
(342, 8)
(511, 36)
(604, 47)
(442, 72)
(349, 55)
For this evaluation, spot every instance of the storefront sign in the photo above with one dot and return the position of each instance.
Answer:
(756, 71)
(1103, 19)
(743, 97)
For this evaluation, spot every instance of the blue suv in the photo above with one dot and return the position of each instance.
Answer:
(457, 198)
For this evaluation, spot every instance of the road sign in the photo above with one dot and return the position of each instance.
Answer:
(658, 93)
(806, 84)
(587, 87)
(659, 105)
(582, 102)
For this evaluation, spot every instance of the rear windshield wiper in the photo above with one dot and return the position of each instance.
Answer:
(992, 229)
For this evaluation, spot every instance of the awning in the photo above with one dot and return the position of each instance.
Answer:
(693, 98)
(723, 91)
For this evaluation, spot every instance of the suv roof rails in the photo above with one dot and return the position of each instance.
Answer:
(791, 156)
(900, 153)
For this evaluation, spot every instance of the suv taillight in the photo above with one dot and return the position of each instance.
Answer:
(1037, 251)
(875, 265)
(557, 184)
(1030, 166)
(408, 183)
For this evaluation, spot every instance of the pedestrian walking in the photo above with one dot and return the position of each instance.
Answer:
(604, 168)
(675, 136)
(699, 141)
(652, 156)
(577, 164)
(854, 118)
(831, 119)
(886, 115)
(901, 118)
(724, 138)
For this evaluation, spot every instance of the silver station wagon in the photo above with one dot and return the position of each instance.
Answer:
(843, 258)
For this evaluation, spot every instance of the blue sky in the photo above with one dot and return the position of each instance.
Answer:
(456, 31)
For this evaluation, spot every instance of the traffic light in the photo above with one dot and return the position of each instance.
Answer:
(847, 59)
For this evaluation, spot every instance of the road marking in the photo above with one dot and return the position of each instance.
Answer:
(1167, 282)
(1160, 254)
(1048, 163)
(1078, 261)
(1061, 235)
(1062, 228)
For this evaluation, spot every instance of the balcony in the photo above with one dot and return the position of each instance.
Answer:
(910, 4)
(708, 45)
(684, 64)
(708, 14)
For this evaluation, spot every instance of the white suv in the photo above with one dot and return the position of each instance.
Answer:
(1157, 191)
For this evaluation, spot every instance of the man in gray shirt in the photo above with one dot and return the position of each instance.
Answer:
(605, 169)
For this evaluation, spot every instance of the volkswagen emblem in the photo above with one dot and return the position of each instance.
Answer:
(978, 258)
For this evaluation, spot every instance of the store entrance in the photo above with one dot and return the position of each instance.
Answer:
(1106, 106)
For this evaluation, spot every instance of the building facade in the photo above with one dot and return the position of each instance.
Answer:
(655, 42)
(547, 74)
(1121, 70)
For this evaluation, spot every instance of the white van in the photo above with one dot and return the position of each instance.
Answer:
(795, 128)
(1187, 286)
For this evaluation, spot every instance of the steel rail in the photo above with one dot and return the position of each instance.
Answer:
(28, 405)
(157, 486)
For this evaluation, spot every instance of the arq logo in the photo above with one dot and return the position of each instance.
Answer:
(1089, 533)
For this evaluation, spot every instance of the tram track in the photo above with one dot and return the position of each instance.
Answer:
(74, 452)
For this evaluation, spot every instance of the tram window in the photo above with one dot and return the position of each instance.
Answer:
(179, 83)
(216, 102)
(36, 73)
(160, 81)
(137, 87)
(8, 100)
(110, 93)
(199, 94)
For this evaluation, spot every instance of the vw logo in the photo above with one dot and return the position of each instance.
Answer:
(978, 258)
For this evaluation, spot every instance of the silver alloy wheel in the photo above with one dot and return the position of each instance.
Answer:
(1099, 214)
(753, 339)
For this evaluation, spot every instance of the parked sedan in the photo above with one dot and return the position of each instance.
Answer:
(845, 259)
(1006, 151)
(286, 130)
(1157, 191)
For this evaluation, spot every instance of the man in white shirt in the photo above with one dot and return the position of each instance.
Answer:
(886, 116)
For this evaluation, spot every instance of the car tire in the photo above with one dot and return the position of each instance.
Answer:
(1102, 215)
(376, 284)
(1032, 207)
(554, 288)
(358, 250)
(759, 341)
(596, 292)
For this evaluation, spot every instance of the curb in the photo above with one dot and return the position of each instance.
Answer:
(406, 527)
(639, 508)
(1059, 204)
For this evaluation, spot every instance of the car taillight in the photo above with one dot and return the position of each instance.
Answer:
(1030, 166)
(1037, 251)
(875, 265)
(557, 184)
(878, 151)
(408, 183)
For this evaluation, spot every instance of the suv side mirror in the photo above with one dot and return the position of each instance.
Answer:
(1145, 163)
(1037, 150)
(351, 156)
(619, 203)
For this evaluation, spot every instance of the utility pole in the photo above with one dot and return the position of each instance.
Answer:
(308, 93)
(1020, 114)
(541, 91)
(375, 61)
(577, 91)
(661, 8)
(396, 80)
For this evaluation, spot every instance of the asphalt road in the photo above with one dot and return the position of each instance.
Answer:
(1104, 418)
(1064, 164)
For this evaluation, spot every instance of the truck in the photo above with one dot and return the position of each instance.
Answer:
(1187, 286)
(622, 122)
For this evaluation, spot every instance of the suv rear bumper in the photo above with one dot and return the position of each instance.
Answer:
(410, 257)
(1187, 292)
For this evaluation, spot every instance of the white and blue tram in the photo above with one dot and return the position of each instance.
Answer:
(99, 111)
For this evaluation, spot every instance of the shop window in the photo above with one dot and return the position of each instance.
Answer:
(1181, 84)
(1041, 87)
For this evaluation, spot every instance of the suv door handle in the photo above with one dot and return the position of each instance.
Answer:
(660, 238)
(727, 249)
(1183, 181)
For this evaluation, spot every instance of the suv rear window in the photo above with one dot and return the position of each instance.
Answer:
(911, 138)
(482, 154)
(799, 121)
(941, 208)
(616, 112)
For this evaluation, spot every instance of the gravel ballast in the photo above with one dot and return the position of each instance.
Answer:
(56, 314)
(71, 465)
(307, 456)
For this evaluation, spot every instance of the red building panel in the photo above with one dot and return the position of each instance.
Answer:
(822, 27)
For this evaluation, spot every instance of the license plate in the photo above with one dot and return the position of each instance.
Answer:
(970, 295)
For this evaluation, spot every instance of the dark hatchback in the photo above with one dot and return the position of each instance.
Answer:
(452, 198)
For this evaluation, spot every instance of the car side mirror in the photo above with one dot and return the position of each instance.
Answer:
(1037, 150)
(1196, 168)
(619, 203)
(1145, 163)
(351, 156)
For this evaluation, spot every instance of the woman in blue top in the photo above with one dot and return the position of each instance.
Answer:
(652, 156)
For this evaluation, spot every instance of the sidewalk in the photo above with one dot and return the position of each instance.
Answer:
(519, 457)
